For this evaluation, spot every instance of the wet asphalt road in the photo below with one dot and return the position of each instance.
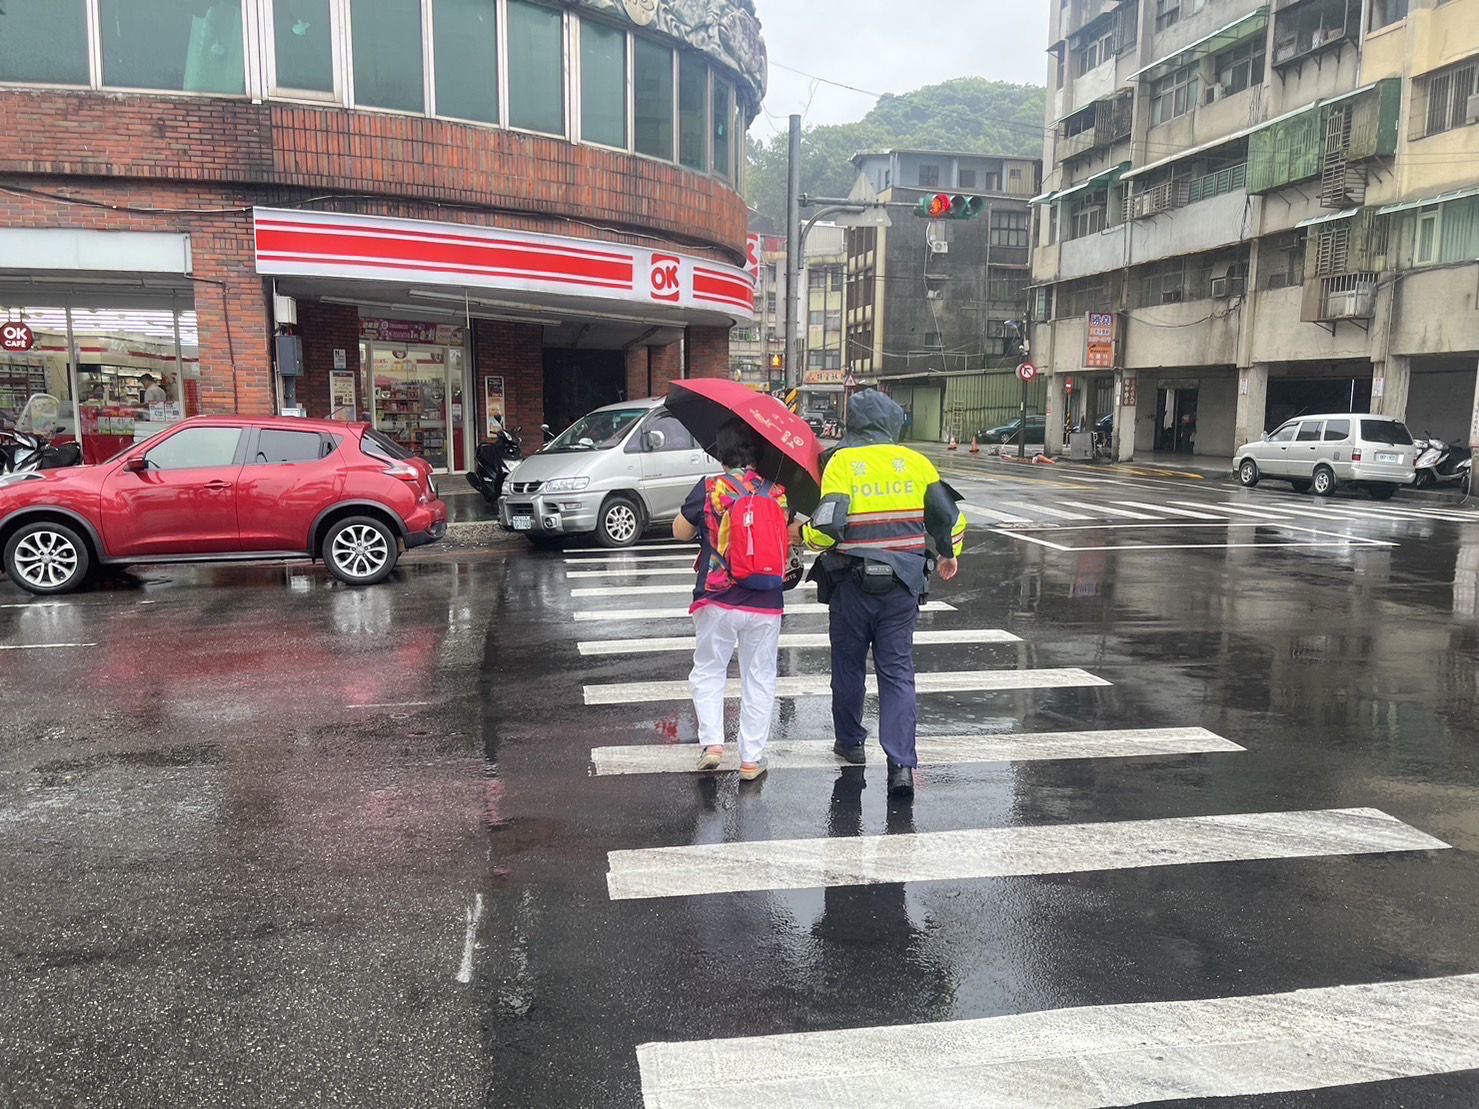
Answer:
(266, 840)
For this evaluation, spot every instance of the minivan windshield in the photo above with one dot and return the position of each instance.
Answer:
(599, 431)
(1390, 432)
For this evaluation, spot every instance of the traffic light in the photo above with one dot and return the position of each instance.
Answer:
(947, 206)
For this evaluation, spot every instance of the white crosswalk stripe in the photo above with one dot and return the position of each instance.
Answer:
(820, 685)
(634, 559)
(652, 590)
(638, 615)
(991, 515)
(1006, 852)
(1177, 512)
(1091, 1057)
(1054, 513)
(791, 641)
(1108, 510)
(802, 754)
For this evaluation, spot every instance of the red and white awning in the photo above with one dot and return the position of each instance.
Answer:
(291, 243)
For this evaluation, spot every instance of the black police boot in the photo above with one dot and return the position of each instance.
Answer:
(856, 755)
(900, 781)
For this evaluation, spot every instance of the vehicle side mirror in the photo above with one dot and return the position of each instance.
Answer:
(656, 440)
(136, 465)
(1265, 437)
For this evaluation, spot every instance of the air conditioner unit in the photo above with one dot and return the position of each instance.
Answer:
(941, 247)
(934, 294)
(1219, 288)
(1471, 109)
(1215, 93)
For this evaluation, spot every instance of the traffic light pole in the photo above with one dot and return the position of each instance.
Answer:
(794, 245)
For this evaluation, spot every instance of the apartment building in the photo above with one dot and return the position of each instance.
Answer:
(757, 348)
(929, 301)
(1257, 210)
(824, 303)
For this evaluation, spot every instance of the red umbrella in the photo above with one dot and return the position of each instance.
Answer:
(792, 455)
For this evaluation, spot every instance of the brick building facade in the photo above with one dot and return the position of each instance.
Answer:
(564, 270)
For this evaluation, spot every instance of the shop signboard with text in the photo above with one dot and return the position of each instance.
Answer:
(493, 404)
(825, 377)
(1102, 334)
(410, 333)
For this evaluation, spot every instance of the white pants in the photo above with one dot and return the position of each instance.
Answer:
(758, 637)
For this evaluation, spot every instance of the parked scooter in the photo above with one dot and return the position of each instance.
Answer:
(21, 453)
(1439, 462)
(493, 462)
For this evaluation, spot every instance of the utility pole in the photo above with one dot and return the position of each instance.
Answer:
(793, 256)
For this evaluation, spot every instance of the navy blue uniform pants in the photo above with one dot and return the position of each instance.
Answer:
(884, 623)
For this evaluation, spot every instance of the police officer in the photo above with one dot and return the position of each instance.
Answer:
(882, 507)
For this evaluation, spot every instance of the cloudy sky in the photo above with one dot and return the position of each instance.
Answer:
(888, 46)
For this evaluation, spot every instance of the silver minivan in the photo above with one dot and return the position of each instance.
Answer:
(612, 474)
(1325, 452)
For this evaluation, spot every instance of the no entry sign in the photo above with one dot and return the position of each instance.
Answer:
(1026, 371)
(16, 338)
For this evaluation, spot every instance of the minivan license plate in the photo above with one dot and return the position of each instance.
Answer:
(523, 523)
(1386, 457)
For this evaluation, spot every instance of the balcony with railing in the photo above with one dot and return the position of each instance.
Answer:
(1180, 192)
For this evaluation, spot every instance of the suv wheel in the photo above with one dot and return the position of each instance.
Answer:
(360, 550)
(1248, 473)
(1325, 482)
(47, 559)
(620, 524)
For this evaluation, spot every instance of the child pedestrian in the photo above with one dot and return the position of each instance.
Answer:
(741, 519)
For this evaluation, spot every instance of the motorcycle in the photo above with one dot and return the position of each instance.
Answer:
(1439, 462)
(493, 462)
(21, 453)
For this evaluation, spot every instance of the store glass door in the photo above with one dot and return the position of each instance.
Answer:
(417, 399)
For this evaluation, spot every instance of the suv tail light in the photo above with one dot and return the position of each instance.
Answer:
(1356, 455)
(409, 474)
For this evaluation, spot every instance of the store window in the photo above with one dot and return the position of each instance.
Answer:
(44, 42)
(388, 68)
(173, 45)
(465, 41)
(654, 130)
(603, 84)
(693, 89)
(536, 68)
(196, 448)
(723, 109)
(303, 45)
(36, 384)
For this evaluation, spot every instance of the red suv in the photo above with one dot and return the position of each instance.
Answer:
(217, 488)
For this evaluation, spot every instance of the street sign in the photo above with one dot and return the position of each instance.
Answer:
(851, 381)
(1026, 371)
(16, 337)
(1068, 385)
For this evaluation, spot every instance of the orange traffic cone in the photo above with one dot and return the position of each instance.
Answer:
(975, 445)
(954, 446)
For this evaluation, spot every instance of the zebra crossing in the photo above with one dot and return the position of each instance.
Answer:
(1011, 513)
(1152, 1050)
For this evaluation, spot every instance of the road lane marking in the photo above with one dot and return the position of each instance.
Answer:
(687, 571)
(1173, 511)
(650, 590)
(804, 754)
(975, 511)
(1056, 513)
(474, 915)
(657, 547)
(820, 685)
(1006, 852)
(43, 646)
(1091, 1057)
(634, 560)
(396, 705)
(788, 640)
(1107, 510)
(637, 615)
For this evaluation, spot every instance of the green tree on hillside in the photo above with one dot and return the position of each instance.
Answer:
(968, 114)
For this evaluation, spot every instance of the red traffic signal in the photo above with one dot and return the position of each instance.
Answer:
(939, 206)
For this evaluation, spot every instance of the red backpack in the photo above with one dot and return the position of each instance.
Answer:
(750, 534)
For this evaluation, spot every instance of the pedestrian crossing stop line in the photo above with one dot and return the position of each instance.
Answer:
(1005, 852)
(638, 615)
(805, 754)
(966, 637)
(820, 685)
(1091, 1057)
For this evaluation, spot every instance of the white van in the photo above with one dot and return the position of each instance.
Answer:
(612, 474)
(1323, 452)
